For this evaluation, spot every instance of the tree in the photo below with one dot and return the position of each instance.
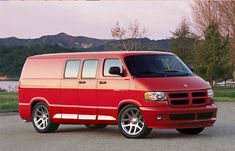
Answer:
(183, 42)
(218, 11)
(212, 57)
(129, 37)
(223, 14)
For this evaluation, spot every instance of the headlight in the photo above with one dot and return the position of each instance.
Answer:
(210, 93)
(155, 96)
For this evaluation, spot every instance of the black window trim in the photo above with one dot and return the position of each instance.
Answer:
(66, 66)
(96, 68)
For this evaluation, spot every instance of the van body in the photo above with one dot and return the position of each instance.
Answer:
(137, 91)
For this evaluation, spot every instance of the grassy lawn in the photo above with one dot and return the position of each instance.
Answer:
(224, 94)
(9, 101)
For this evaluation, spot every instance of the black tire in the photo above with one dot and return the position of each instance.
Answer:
(138, 119)
(95, 126)
(49, 126)
(191, 131)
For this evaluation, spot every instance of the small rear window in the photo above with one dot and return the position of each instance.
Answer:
(71, 68)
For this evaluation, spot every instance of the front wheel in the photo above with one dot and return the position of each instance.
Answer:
(191, 131)
(131, 122)
(41, 119)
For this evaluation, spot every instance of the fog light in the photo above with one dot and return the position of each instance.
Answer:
(159, 117)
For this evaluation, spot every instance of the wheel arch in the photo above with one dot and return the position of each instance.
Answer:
(36, 100)
(124, 103)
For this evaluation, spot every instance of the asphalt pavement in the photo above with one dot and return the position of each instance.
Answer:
(16, 135)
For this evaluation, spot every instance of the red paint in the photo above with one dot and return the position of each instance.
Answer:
(43, 80)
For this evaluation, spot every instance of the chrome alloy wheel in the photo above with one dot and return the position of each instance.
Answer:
(132, 121)
(41, 117)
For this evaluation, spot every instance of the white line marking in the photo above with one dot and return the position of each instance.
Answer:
(25, 104)
(70, 116)
(86, 117)
(105, 117)
(83, 117)
(57, 116)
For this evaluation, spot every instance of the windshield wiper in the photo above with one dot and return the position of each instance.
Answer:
(150, 74)
(179, 73)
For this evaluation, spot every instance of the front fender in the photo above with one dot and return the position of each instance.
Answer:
(129, 101)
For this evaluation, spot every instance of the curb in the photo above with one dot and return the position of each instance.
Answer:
(9, 113)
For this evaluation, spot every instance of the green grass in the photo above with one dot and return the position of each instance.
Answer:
(8, 102)
(224, 94)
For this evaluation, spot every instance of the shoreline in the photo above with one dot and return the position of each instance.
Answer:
(10, 79)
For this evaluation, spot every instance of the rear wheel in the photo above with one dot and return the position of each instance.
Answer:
(41, 119)
(95, 126)
(131, 122)
(191, 131)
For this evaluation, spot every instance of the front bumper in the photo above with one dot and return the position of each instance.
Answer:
(183, 117)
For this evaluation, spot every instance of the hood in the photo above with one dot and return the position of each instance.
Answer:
(171, 83)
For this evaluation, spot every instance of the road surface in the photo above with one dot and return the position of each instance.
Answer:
(16, 135)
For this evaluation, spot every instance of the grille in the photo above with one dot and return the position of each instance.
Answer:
(178, 95)
(179, 102)
(198, 94)
(207, 115)
(182, 116)
(199, 101)
(187, 98)
(191, 116)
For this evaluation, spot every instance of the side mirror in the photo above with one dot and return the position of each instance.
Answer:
(115, 71)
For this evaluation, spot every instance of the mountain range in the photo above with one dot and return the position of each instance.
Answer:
(85, 43)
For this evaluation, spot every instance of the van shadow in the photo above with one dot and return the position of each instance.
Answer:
(169, 134)
(109, 130)
(114, 131)
(80, 129)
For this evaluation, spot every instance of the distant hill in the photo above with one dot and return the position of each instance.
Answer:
(14, 51)
(84, 43)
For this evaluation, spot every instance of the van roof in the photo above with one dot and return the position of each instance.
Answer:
(95, 54)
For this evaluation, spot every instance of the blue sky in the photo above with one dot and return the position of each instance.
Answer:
(28, 19)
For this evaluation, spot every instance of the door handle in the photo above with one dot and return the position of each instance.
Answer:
(102, 82)
(82, 82)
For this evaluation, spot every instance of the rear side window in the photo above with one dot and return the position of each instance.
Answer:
(71, 68)
(111, 63)
(89, 68)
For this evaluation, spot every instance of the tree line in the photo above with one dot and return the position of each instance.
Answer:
(211, 51)
(12, 58)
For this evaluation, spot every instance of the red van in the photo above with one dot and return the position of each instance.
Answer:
(136, 90)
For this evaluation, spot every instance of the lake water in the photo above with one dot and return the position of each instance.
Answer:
(11, 86)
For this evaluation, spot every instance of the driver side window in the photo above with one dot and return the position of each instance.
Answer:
(111, 63)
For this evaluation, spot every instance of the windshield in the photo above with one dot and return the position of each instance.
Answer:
(156, 66)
